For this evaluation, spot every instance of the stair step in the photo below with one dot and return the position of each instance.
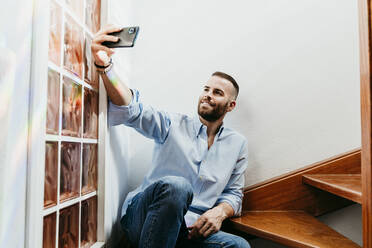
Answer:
(348, 186)
(290, 228)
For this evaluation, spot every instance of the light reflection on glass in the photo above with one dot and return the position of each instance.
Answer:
(93, 15)
(55, 33)
(90, 114)
(51, 174)
(70, 170)
(90, 75)
(73, 47)
(71, 108)
(52, 123)
(76, 6)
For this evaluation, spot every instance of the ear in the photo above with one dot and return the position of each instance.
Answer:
(231, 106)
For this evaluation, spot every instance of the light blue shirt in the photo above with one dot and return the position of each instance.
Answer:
(181, 149)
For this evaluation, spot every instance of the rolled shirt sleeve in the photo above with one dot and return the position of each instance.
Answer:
(233, 192)
(146, 120)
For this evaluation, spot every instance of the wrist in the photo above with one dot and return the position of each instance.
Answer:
(226, 210)
(104, 68)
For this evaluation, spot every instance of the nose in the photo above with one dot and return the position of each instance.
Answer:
(208, 94)
(207, 97)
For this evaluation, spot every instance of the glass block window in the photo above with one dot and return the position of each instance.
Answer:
(71, 110)
(89, 222)
(71, 145)
(69, 183)
(55, 33)
(89, 177)
(52, 126)
(90, 114)
(49, 231)
(68, 230)
(51, 173)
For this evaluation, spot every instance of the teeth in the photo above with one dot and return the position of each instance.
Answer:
(205, 103)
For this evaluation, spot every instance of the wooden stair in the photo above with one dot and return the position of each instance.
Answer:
(290, 228)
(284, 209)
(348, 186)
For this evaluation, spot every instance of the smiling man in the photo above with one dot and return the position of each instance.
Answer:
(198, 164)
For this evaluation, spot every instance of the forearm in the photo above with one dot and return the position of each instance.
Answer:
(226, 210)
(117, 91)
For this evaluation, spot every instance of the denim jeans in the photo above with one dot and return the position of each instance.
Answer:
(155, 218)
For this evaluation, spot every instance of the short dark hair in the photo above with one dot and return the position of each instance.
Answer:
(229, 78)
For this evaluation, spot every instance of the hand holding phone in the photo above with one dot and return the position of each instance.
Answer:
(127, 37)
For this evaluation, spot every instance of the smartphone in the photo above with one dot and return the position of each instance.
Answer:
(127, 38)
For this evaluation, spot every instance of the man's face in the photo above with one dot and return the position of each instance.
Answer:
(216, 99)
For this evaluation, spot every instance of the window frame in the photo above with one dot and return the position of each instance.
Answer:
(37, 136)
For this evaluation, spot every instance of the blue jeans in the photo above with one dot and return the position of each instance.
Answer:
(155, 218)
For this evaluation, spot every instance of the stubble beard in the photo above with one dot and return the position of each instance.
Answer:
(214, 114)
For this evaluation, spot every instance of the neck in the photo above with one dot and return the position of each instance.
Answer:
(212, 126)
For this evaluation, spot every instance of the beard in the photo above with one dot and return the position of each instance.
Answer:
(214, 114)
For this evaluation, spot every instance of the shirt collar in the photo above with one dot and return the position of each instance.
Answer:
(198, 126)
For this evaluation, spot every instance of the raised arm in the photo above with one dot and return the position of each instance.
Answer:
(125, 106)
(117, 91)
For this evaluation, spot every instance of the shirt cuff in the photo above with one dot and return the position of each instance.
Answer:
(120, 114)
(235, 205)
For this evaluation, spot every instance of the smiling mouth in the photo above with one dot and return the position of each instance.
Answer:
(205, 103)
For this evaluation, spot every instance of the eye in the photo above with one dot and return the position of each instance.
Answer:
(218, 92)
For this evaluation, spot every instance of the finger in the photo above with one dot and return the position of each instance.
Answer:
(97, 48)
(193, 233)
(110, 29)
(103, 38)
(204, 228)
(210, 231)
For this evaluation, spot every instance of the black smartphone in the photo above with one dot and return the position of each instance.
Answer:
(127, 38)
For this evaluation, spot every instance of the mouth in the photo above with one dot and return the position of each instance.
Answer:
(206, 103)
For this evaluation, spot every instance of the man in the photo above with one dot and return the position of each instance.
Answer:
(197, 175)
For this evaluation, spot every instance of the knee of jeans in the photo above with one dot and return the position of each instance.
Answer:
(239, 242)
(236, 242)
(178, 189)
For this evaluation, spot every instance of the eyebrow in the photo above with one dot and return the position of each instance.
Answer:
(216, 89)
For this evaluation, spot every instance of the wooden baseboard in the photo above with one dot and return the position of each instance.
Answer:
(287, 192)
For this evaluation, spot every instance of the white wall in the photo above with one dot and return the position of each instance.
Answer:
(15, 54)
(118, 146)
(297, 63)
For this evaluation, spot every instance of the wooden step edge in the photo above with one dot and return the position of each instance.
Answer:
(348, 186)
(290, 228)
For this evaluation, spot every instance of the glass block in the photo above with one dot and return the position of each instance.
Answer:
(88, 222)
(49, 231)
(89, 177)
(70, 170)
(93, 15)
(71, 108)
(90, 73)
(73, 47)
(51, 174)
(90, 114)
(52, 123)
(55, 33)
(77, 7)
(68, 232)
